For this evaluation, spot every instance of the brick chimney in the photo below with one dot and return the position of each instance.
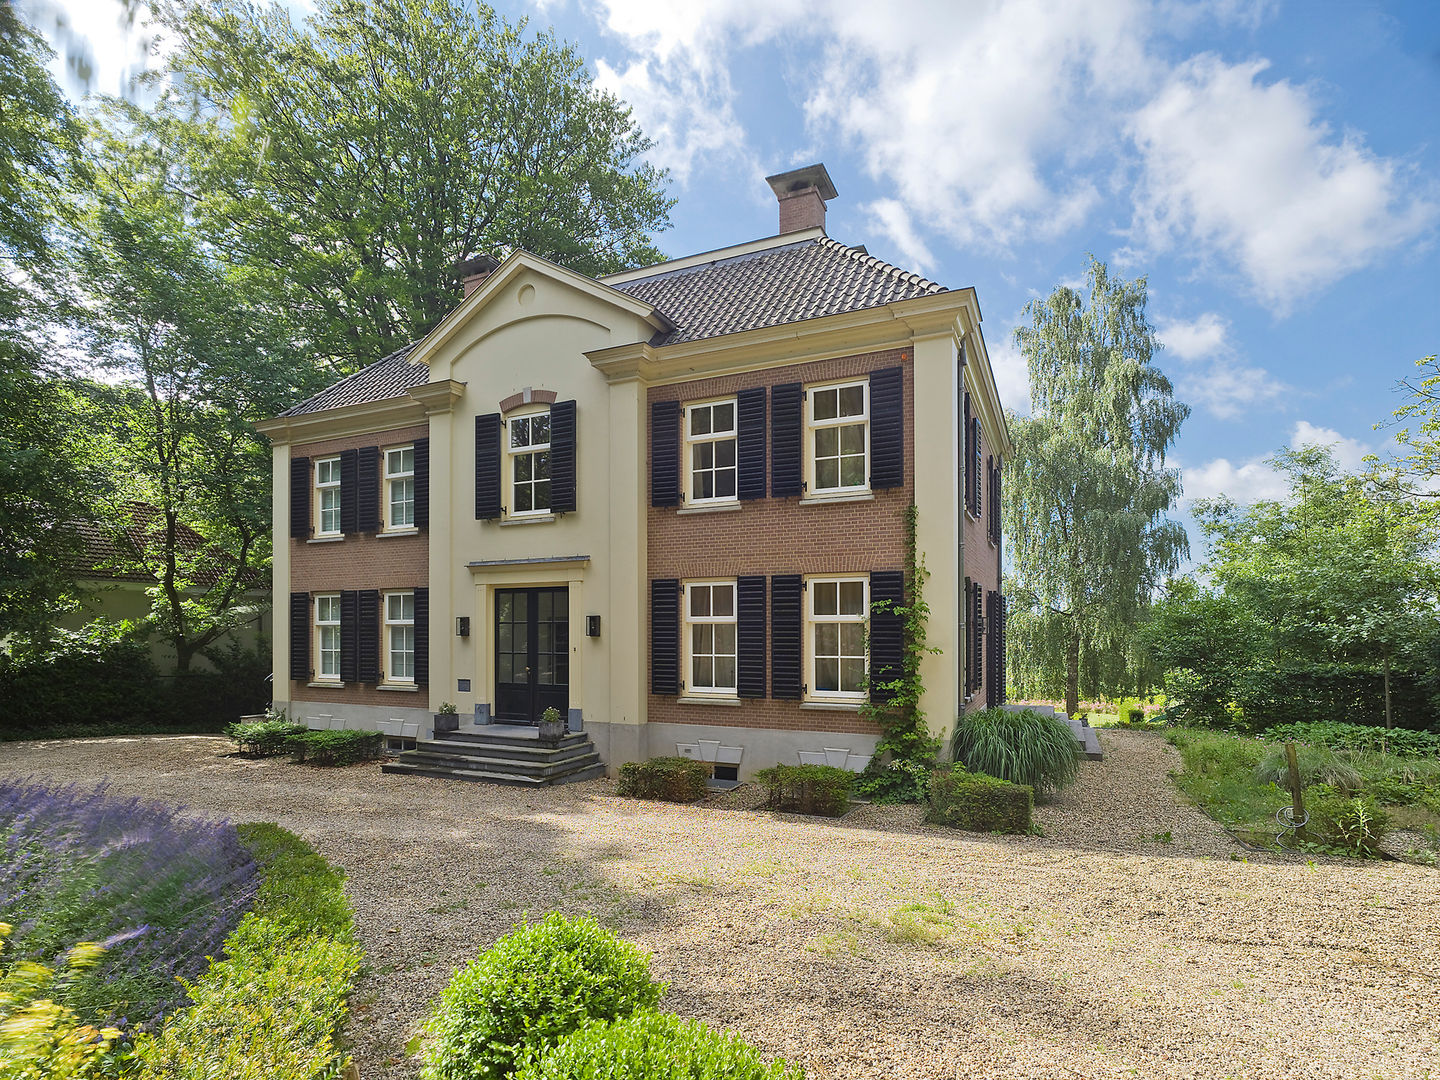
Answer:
(474, 271)
(802, 194)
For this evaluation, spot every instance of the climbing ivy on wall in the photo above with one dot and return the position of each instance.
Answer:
(905, 752)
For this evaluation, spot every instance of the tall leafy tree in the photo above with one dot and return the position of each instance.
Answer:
(1416, 469)
(43, 489)
(194, 357)
(1088, 489)
(349, 163)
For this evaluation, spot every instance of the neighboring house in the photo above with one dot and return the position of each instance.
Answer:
(114, 584)
(662, 502)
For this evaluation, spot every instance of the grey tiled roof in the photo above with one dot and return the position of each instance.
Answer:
(383, 379)
(804, 280)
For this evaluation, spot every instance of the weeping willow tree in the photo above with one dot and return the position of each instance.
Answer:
(1088, 490)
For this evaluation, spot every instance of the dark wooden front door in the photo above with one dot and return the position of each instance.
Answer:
(532, 653)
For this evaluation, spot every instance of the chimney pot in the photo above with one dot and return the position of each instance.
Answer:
(473, 271)
(802, 194)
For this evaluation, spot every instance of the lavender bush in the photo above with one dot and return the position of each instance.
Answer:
(160, 891)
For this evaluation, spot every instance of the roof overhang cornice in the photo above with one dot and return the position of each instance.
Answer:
(518, 263)
(346, 420)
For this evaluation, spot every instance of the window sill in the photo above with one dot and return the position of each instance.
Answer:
(529, 519)
(708, 699)
(326, 685)
(326, 539)
(706, 508)
(408, 531)
(404, 688)
(847, 497)
(833, 706)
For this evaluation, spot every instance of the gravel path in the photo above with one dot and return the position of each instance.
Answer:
(875, 947)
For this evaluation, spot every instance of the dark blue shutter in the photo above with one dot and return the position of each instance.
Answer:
(664, 453)
(969, 678)
(887, 631)
(367, 647)
(965, 458)
(786, 628)
(562, 457)
(992, 654)
(487, 466)
(300, 636)
(349, 491)
(665, 636)
(750, 444)
(422, 483)
(887, 428)
(1002, 612)
(750, 637)
(349, 636)
(787, 426)
(978, 480)
(367, 512)
(422, 637)
(977, 645)
(300, 498)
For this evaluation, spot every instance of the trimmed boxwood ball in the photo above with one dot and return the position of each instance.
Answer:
(532, 988)
(655, 1046)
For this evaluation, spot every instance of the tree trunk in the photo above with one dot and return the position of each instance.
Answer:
(1387, 691)
(1072, 674)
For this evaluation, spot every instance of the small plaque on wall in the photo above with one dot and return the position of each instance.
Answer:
(463, 685)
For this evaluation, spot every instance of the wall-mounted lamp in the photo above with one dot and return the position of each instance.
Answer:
(462, 626)
(592, 625)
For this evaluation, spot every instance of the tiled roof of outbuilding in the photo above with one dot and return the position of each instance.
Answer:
(386, 378)
(114, 549)
(780, 285)
(789, 283)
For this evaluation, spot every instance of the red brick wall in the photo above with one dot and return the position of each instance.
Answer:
(359, 561)
(779, 536)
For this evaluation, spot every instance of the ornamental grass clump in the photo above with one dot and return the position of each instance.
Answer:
(532, 988)
(654, 1046)
(1021, 746)
(1317, 766)
(160, 891)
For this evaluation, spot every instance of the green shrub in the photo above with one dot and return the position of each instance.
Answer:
(1317, 766)
(40, 1038)
(1024, 747)
(1216, 754)
(966, 800)
(532, 988)
(1352, 823)
(670, 779)
(264, 738)
(335, 747)
(271, 1009)
(808, 789)
(1340, 736)
(654, 1046)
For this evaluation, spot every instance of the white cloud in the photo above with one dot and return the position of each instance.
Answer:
(1195, 339)
(1211, 375)
(1245, 483)
(1012, 375)
(1349, 453)
(894, 220)
(1247, 171)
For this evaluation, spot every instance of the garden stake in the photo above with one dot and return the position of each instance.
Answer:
(1292, 817)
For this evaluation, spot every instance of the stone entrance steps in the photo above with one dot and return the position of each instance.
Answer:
(513, 757)
(1084, 734)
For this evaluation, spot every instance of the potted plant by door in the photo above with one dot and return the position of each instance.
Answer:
(552, 727)
(447, 719)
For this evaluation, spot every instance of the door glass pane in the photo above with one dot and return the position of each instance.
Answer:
(546, 666)
(544, 605)
(505, 668)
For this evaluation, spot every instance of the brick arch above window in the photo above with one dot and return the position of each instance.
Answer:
(528, 397)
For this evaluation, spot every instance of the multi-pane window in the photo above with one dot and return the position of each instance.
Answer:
(710, 450)
(838, 418)
(400, 636)
(710, 637)
(327, 636)
(530, 463)
(400, 486)
(837, 610)
(327, 495)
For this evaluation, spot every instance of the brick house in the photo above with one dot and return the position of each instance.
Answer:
(662, 502)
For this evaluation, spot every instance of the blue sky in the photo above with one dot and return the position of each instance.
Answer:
(1272, 168)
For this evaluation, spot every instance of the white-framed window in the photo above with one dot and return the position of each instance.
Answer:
(836, 609)
(710, 637)
(327, 496)
(710, 468)
(327, 637)
(529, 453)
(400, 636)
(837, 439)
(400, 487)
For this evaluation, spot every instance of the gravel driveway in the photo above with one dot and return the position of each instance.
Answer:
(874, 947)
